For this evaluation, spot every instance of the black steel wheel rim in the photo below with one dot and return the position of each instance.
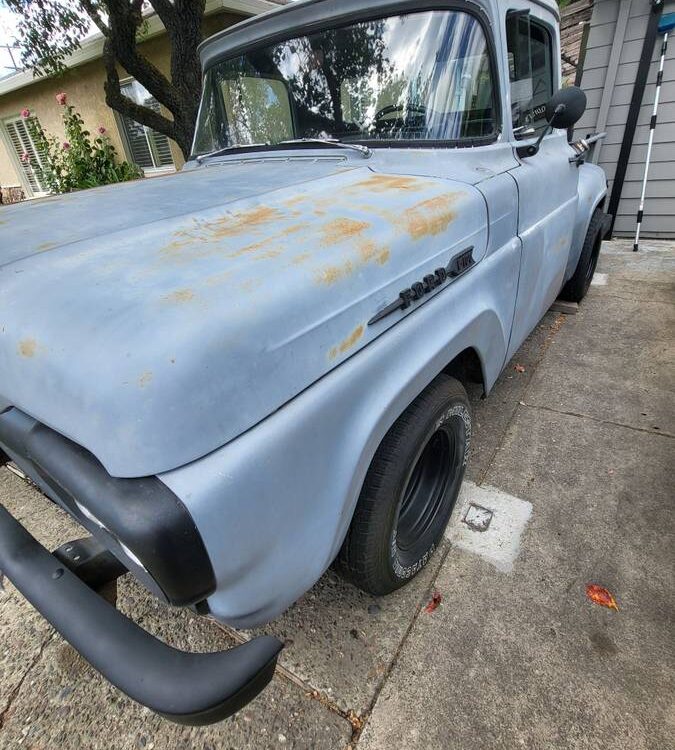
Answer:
(426, 490)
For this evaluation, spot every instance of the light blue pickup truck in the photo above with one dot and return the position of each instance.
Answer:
(236, 376)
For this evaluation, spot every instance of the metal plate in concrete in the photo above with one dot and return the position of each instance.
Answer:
(489, 523)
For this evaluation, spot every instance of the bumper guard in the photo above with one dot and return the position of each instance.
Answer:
(184, 687)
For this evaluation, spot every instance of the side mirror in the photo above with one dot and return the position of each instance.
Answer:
(565, 107)
(563, 110)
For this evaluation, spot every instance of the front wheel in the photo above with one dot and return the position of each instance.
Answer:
(410, 490)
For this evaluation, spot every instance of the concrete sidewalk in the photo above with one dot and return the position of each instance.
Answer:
(572, 456)
(521, 657)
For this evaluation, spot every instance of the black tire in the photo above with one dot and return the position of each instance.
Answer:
(409, 491)
(575, 289)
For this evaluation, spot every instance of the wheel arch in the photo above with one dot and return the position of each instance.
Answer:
(592, 194)
(468, 368)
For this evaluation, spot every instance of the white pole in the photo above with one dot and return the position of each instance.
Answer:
(652, 127)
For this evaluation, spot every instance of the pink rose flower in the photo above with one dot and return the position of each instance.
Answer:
(66, 145)
(25, 113)
(101, 130)
(61, 98)
(25, 157)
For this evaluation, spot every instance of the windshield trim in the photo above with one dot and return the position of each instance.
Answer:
(395, 8)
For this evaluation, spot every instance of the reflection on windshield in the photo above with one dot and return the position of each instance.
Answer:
(420, 76)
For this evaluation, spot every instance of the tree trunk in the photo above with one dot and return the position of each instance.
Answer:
(180, 94)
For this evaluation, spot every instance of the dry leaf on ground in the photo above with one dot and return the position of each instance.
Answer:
(433, 603)
(600, 595)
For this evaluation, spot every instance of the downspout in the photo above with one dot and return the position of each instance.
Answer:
(634, 109)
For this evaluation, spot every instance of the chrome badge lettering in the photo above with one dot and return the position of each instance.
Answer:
(420, 289)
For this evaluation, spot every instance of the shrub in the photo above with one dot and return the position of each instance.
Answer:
(82, 160)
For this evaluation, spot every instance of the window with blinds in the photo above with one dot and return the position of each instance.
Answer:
(27, 153)
(147, 148)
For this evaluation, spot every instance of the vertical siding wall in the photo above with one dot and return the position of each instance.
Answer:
(614, 46)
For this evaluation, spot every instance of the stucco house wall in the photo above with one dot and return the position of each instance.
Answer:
(84, 87)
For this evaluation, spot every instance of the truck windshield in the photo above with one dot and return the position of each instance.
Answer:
(422, 76)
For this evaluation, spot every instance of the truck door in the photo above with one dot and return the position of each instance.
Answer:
(547, 182)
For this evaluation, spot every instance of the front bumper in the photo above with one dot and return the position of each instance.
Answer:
(141, 521)
(187, 688)
(152, 534)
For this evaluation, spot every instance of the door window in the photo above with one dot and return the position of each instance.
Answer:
(530, 52)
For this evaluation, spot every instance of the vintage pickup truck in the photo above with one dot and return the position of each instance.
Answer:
(241, 374)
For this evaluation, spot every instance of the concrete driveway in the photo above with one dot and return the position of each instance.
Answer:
(572, 474)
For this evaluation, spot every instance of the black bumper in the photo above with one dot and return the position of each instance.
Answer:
(140, 521)
(187, 688)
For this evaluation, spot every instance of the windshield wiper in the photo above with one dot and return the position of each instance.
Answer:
(333, 142)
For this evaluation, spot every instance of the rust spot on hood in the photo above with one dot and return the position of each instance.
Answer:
(229, 225)
(383, 183)
(27, 348)
(271, 246)
(348, 343)
(294, 229)
(341, 230)
(301, 258)
(45, 246)
(234, 224)
(218, 278)
(370, 251)
(260, 250)
(296, 200)
(180, 296)
(429, 217)
(331, 274)
(145, 379)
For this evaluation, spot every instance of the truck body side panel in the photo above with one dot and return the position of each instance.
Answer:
(273, 506)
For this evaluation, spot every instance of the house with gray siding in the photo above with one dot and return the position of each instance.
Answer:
(613, 48)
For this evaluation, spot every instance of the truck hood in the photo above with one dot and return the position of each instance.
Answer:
(153, 322)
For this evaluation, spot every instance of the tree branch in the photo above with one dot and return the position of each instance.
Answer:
(124, 20)
(115, 98)
(93, 13)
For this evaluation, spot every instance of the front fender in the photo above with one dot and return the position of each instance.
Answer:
(274, 505)
(591, 193)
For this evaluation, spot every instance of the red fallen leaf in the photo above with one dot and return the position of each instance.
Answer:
(519, 368)
(601, 596)
(433, 603)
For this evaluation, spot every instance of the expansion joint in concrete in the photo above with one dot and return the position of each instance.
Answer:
(609, 422)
